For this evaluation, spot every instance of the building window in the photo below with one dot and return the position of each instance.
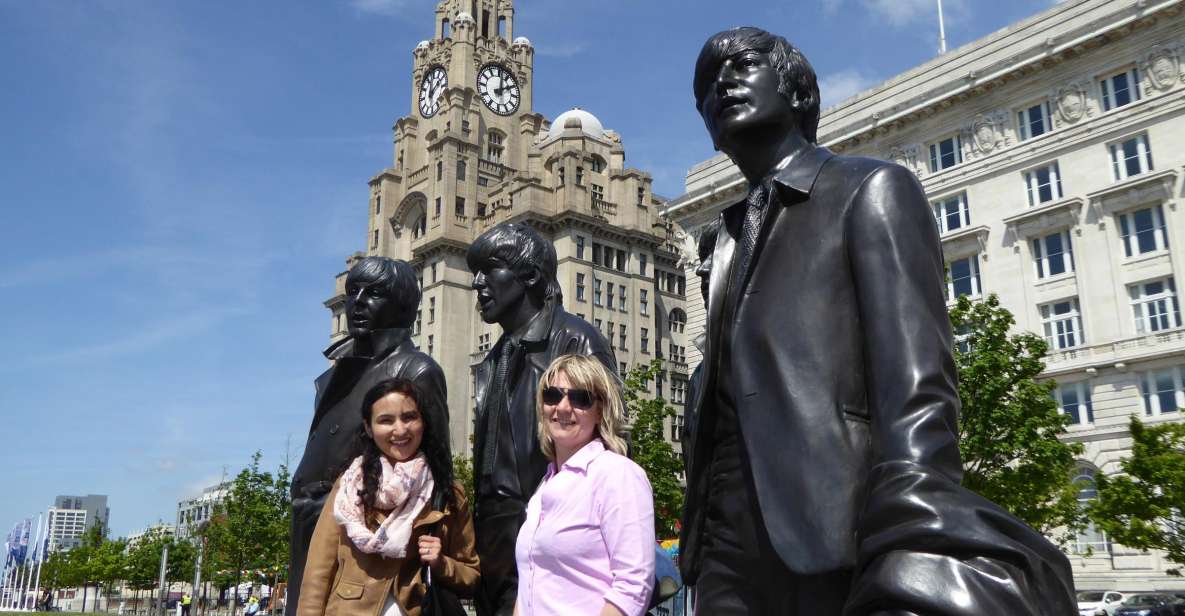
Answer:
(580, 287)
(431, 343)
(598, 324)
(682, 285)
(460, 207)
(561, 175)
(437, 214)
(1163, 391)
(609, 291)
(596, 292)
(465, 127)
(1092, 539)
(678, 353)
(677, 321)
(623, 369)
(1130, 157)
(419, 227)
(1063, 324)
(644, 302)
(1043, 184)
(494, 147)
(610, 338)
(621, 335)
(1155, 306)
(677, 427)
(374, 239)
(596, 253)
(609, 252)
(378, 204)
(621, 259)
(580, 247)
(964, 278)
(431, 309)
(1053, 254)
(946, 153)
(1033, 121)
(642, 263)
(952, 213)
(434, 278)
(481, 207)
(439, 170)
(1120, 89)
(461, 169)
(622, 302)
(1143, 231)
(597, 165)
(579, 176)
(678, 390)
(645, 340)
(641, 197)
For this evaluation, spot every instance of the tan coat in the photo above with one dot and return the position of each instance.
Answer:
(341, 580)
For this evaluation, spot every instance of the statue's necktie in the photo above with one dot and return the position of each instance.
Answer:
(496, 408)
(750, 229)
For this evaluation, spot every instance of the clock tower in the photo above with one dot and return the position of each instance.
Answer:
(472, 153)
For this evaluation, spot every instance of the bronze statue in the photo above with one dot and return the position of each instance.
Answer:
(514, 274)
(824, 476)
(382, 296)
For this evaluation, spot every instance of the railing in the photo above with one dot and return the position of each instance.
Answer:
(495, 169)
(1119, 349)
(604, 208)
(417, 175)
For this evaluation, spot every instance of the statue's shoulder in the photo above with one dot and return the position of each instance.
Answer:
(566, 326)
(861, 166)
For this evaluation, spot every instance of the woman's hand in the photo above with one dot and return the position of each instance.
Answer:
(429, 550)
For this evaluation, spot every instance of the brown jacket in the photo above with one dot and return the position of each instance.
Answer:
(341, 580)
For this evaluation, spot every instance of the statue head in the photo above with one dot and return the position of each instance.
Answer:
(381, 293)
(705, 248)
(748, 80)
(514, 274)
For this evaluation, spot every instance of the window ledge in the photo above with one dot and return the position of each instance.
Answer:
(1137, 190)
(1054, 280)
(965, 242)
(1144, 258)
(1064, 212)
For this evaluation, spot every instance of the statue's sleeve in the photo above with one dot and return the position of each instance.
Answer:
(926, 544)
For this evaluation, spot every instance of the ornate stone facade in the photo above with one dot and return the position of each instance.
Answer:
(1063, 201)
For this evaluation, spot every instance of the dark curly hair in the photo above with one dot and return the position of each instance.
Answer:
(434, 443)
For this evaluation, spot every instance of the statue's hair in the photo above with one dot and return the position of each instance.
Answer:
(399, 282)
(523, 250)
(586, 372)
(796, 72)
(707, 239)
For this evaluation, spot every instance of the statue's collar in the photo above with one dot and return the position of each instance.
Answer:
(798, 171)
(385, 341)
(539, 327)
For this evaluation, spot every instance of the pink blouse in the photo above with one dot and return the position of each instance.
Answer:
(588, 538)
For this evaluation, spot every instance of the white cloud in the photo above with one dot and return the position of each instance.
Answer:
(837, 87)
(898, 13)
(393, 8)
(563, 50)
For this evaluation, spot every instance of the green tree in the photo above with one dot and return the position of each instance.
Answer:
(249, 529)
(650, 450)
(463, 473)
(1142, 506)
(1009, 427)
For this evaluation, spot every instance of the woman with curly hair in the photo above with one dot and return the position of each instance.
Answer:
(395, 510)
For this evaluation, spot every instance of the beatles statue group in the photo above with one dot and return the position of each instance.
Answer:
(822, 457)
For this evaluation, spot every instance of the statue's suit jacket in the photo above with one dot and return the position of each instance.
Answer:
(333, 435)
(844, 383)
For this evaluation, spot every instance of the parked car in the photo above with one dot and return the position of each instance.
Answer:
(1147, 604)
(1098, 602)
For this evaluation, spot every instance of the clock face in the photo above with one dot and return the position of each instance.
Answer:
(431, 90)
(498, 89)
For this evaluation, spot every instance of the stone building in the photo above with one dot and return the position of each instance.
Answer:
(192, 512)
(72, 516)
(472, 153)
(1052, 153)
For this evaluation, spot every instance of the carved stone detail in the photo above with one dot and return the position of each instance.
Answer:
(986, 133)
(1162, 67)
(1070, 102)
(907, 155)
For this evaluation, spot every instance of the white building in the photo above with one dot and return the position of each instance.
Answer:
(159, 529)
(192, 512)
(1052, 153)
(66, 528)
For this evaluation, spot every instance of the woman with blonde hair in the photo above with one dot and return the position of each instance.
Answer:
(587, 545)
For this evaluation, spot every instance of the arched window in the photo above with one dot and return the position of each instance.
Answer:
(494, 147)
(445, 32)
(597, 164)
(419, 227)
(1091, 539)
(677, 321)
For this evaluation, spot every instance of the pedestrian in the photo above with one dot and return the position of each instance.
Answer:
(587, 546)
(186, 600)
(395, 510)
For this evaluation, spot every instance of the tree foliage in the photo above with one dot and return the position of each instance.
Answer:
(463, 473)
(249, 528)
(650, 450)
(1142, 506)
(1009, 428)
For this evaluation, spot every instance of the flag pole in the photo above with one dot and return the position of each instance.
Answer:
(941, 31)
(42, 546)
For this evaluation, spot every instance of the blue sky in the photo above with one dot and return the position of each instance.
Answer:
(180, 181)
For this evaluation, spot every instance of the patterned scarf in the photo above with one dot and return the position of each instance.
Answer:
(404, 490)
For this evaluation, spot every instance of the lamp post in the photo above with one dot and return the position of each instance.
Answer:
(197, 568)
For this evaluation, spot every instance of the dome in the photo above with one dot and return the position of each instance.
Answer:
(522, 40)
(463, 17)
(422, 45)
(577, 118)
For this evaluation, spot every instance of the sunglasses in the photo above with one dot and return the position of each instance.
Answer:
(581, 399)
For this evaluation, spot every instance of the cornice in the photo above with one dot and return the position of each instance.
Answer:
(946, 90)
(1138, 190)
(966, 241)
(1036, 219)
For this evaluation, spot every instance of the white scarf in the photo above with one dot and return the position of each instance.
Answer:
(404, 490)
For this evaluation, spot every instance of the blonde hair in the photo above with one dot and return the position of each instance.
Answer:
(585, 373)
